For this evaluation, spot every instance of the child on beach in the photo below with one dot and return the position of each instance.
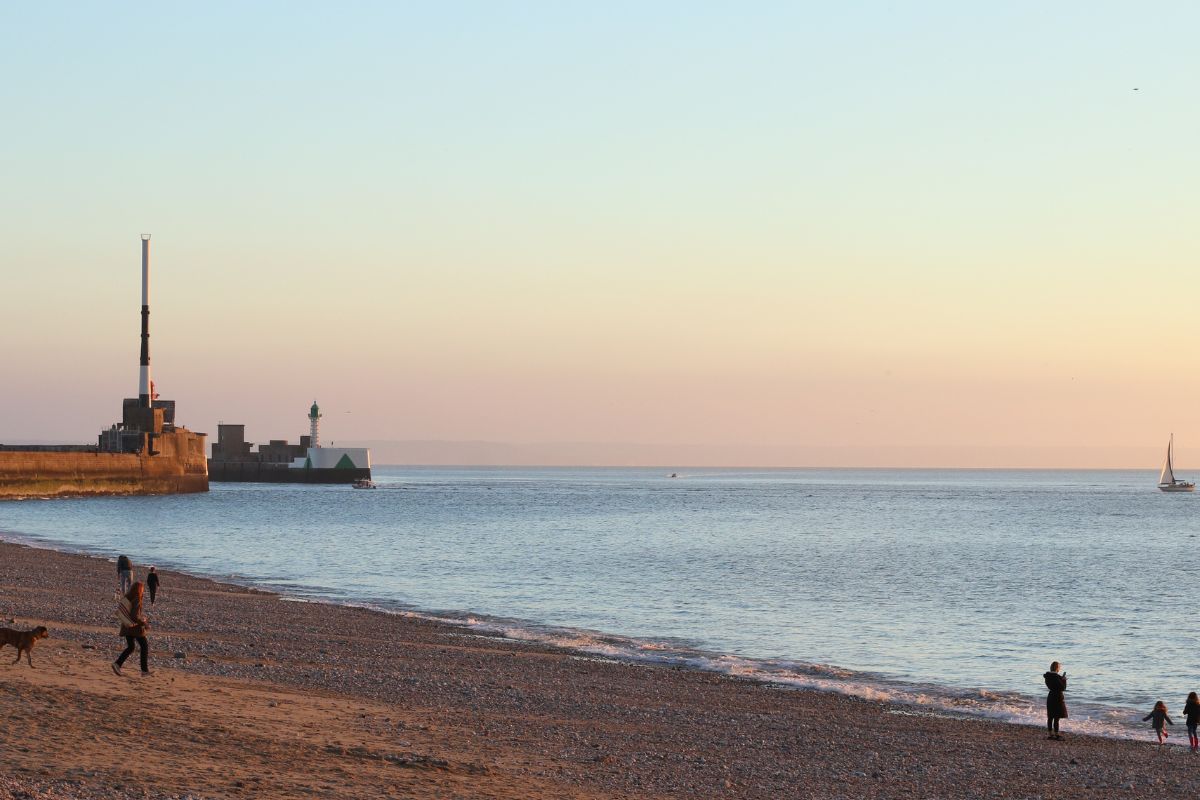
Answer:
(1191, 713)
(152, 584)
(1157, 717)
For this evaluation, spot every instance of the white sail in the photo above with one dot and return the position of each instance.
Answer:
(1167, 475)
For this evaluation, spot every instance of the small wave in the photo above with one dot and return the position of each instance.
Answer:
(904, 697)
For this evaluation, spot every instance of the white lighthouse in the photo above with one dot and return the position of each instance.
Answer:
(314, 421)
(349, 462)
(343, 463)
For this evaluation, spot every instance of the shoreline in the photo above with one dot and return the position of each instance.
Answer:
(911, 695)
(362, 703)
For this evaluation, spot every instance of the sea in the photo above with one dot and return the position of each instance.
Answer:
(946, 591)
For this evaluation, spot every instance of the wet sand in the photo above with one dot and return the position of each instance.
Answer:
(272, 698)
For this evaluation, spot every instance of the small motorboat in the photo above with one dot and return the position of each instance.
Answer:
(364, 483)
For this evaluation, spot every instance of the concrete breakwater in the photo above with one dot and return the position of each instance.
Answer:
(145, 453)
(252, 472)
(177, 465)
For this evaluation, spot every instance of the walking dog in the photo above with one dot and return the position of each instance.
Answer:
(22, 640)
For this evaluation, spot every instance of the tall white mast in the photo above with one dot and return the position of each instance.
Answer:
(144, 398)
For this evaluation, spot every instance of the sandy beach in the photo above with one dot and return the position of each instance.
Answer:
(253, 695)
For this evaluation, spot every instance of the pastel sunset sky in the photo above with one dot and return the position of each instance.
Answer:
(931, 233)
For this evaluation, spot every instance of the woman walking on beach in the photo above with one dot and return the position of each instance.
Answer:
(1056, 700)
(131, 614)
(1191, 713)
(1157, 718)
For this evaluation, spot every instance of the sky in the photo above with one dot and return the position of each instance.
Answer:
(929, 233)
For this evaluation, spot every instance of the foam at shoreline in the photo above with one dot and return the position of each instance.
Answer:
(928, 698)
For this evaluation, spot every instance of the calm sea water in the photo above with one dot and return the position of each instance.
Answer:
(949, 589)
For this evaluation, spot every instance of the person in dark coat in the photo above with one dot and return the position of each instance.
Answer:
(1056, 700)
(152, 584)
(124, 573)
(1191, 715)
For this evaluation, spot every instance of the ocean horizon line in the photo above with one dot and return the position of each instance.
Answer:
(676, 456)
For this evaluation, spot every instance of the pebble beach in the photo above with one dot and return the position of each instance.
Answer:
(255, 695)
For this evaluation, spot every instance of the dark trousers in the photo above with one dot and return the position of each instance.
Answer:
(143, 645)
(153, 591)
(1051, 722)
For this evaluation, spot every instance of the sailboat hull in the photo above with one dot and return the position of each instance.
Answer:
(1177, 487)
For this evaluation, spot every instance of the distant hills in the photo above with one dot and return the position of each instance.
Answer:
(484, 453)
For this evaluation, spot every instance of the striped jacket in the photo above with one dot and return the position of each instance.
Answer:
(131, 619)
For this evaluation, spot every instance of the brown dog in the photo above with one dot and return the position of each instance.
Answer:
(22, 640)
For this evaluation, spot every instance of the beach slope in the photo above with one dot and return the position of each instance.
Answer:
(271, 698)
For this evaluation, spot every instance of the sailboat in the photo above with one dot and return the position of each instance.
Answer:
(1167, 481)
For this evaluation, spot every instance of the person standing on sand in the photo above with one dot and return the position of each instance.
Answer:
(131, 614)
(152, 584)
(1056, 700)
(1191, 712)
(124, 573)
(1157, 717)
